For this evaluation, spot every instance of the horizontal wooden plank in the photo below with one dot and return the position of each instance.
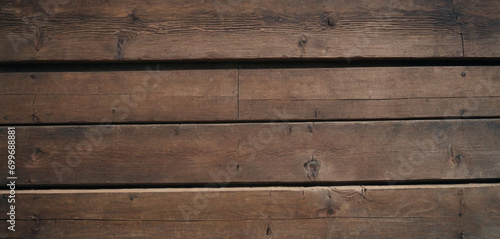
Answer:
(246, 29)
(255, 153)
(119, 96)
(369, 93)
(301, 228)
(479, 26)
(249, 94)
(446, 211)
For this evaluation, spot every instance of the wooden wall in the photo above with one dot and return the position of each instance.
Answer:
(251, 118)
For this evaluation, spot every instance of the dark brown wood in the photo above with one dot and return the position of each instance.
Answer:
(256, 153)
(249, 94)
(479, 27)
(446, 211)
(221, 29)
(299, 228)
(164, 144)
(122, 96)
(368, 93)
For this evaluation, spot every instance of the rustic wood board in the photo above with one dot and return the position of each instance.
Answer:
(480, 27)
(232, 94)
(119, 96)
(424, 211)
(221, 29)
(300, 228)
(258, 147)
(368, 93)
(384, 151)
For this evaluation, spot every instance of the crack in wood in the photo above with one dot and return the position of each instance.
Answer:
(34, 116)
(460, 27)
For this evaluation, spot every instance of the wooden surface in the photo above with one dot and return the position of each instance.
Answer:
(122, 96)
(369, 93)
(480, 27)
(281, 94)
(222, 29)
(256, 153)
(427, 211)
(242, 118)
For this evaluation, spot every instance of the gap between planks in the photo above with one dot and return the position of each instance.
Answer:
(253, 189)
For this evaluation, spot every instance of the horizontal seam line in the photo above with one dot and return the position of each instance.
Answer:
(412, 98)
(236, 219)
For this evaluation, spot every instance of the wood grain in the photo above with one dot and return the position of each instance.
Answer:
(180, 95)
(299, 228)
(225, 29)
(250, 149)
(328, 212)
(119, 96)
(480, 27)
(268, 153)
(368, 93)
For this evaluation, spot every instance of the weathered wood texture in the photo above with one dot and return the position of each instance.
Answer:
(249, 94)
(245, 29)
(364, 93)
(256, 153)
(480, 27)
(216, 144)
(451, 211)
(122, 96)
